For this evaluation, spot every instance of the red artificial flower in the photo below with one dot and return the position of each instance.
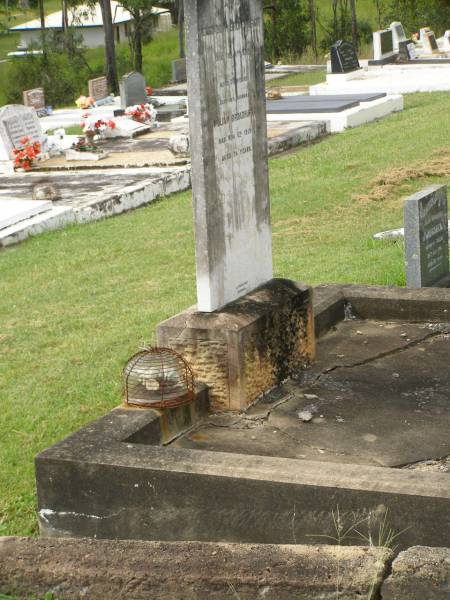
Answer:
(24, 140)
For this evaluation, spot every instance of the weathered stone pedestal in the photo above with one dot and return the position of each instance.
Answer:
(249, 346)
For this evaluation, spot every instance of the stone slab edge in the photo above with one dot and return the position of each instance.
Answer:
(98, 569)
(376, 302)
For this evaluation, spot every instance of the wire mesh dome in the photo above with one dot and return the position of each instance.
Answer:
(158, 378)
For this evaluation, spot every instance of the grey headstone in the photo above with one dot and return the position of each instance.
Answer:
(179, 70)
(398, 34)
(132, 90)
(98, 88)
(228, 148)
(16, 122)
(426, 237)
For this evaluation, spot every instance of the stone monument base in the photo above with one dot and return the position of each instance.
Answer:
(249, 346)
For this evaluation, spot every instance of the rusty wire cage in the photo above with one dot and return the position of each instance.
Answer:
(157, 378)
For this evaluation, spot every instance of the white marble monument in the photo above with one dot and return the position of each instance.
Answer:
(228, 149)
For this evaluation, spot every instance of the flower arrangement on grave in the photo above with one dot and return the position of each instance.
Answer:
(25, 155)
(85, 102)
(83, 145)
(142, 113)
(93, 126)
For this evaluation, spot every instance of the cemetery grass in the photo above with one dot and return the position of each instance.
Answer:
(77, 303)
(298, 79)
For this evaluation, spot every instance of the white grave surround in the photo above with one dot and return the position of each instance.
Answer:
(228, 149)
(337, 122)
(15, 211)
(392, 79)
(383, 44)
(16, 122)
(398, 34)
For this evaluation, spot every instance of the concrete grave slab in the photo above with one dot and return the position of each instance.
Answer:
(362, 112)
(14, 211)
(312, 104)
(393, 79)
(189, 570)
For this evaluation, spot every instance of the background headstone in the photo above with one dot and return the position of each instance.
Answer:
(179, 70)
(429, 42)
(426, 237)
(35, 99)
(407, 50)
(398, 34)
(343, 57)
(98, 88)
(229, 149)
(383, 44)
(132, 90)
(16, 122)
(447, 40)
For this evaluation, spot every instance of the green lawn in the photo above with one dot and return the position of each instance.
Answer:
(77, 303)
(298, 79)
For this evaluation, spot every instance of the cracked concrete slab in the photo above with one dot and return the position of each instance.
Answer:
(377, 394)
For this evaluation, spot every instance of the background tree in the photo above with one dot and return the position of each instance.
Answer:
(143, 22)
(110, 48)
(313, 26)
(286, 29)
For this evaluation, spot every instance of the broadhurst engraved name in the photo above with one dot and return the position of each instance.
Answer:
(226, 119)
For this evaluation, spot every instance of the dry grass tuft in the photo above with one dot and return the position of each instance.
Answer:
(383, 185)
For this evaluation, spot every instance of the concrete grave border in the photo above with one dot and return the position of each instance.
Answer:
(111, 480)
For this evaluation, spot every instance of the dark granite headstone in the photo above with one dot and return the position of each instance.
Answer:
(426, 237)
(407, 51)
(343, 57)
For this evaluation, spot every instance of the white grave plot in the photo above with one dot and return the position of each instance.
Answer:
(15, 211)
(229, 149)
(16, 122)
(398, 34)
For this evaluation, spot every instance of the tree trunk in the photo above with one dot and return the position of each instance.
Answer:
(313, 19)
(43, 32)
(335, 19)
(181, 29)
(354, 24)
(137, 46)
(110, 49)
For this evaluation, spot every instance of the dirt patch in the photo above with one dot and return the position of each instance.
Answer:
(383, 185)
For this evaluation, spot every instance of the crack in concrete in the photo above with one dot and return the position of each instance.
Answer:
(386, 353)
